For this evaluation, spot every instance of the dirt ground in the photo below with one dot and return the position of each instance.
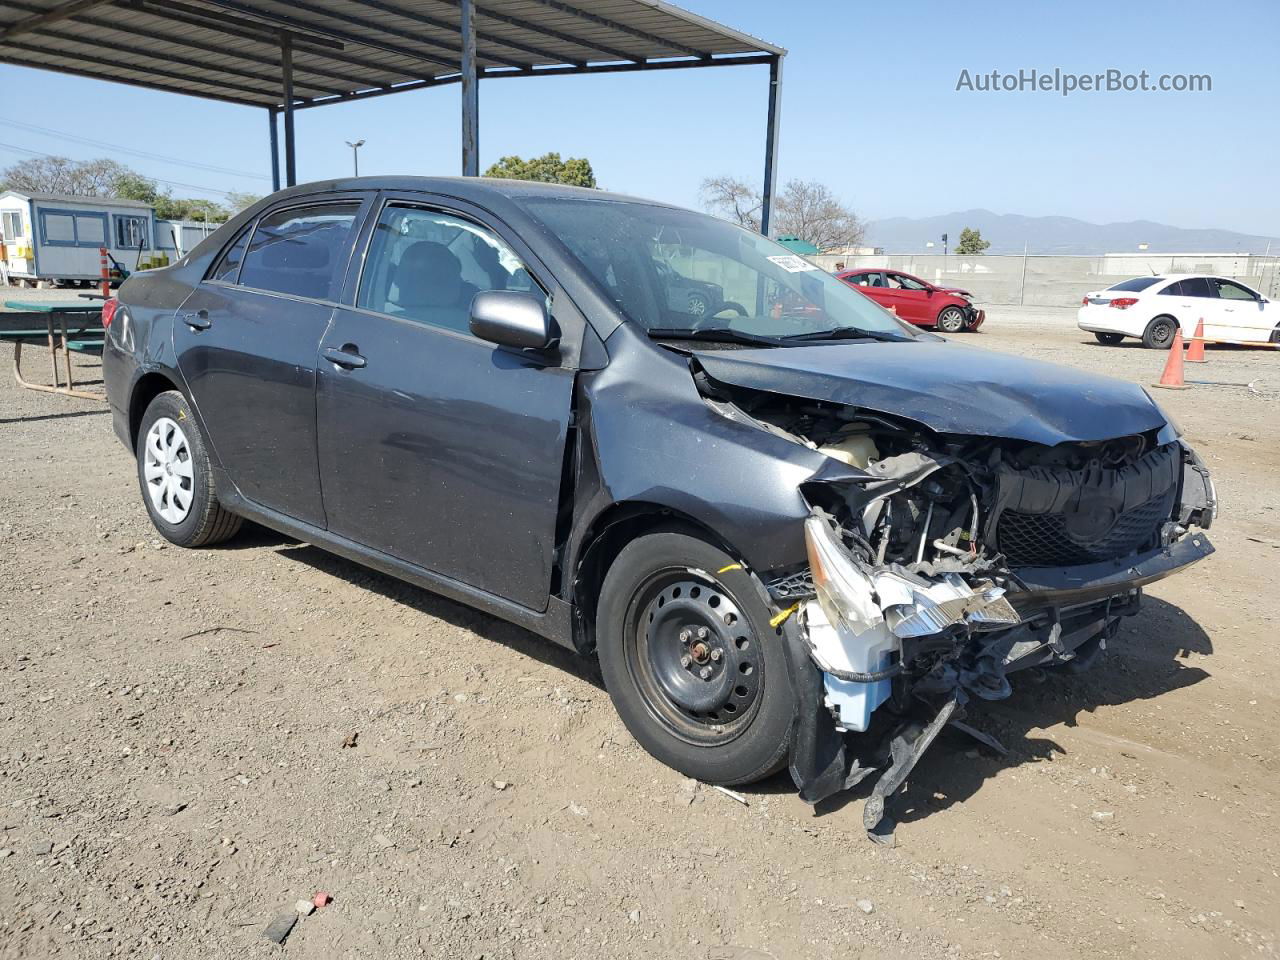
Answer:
(173, 775)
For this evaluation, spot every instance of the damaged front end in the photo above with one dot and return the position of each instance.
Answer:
(938, 565)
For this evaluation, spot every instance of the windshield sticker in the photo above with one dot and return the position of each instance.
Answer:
(793, 264)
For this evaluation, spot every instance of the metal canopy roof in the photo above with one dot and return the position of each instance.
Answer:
(349, 49)
(287, 55)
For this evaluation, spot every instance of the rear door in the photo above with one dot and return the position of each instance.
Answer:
(873, 284)
(246, 342)
(1188, 301)
(436, 447)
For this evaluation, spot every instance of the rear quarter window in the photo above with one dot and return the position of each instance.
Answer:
(227, 268)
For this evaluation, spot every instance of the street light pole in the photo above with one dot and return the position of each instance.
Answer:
(355, 154)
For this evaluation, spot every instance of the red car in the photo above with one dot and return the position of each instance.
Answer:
(918, 301)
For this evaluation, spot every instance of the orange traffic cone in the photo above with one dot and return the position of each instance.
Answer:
(1171, 379)
(1195, 353)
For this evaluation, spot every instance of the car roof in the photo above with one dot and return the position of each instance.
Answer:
(1174, 276)
(467, 188)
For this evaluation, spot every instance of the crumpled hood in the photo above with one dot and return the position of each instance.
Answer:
(947, 387)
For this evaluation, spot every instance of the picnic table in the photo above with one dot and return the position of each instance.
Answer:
(69, 326)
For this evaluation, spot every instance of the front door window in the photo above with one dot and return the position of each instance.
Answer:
(427, 266)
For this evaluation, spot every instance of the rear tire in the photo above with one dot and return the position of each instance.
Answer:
(1275, 334)
(694, 669)
(176, 478)
(951, 320)
(1109, 339)
(1159, 333)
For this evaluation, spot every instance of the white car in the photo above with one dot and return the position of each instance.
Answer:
(1152, 308)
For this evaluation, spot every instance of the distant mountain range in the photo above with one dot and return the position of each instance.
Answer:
(1046, 235)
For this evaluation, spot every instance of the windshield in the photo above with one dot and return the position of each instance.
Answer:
(674, 271)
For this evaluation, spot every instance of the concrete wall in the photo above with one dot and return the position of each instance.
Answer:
(1061, 281)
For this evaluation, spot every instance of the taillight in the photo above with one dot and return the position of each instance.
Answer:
(1084, 302)
(1123, 303)
(109, 311)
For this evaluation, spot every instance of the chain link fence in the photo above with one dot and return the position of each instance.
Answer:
(1060, 281)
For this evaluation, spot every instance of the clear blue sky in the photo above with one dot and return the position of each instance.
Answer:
(869, 107)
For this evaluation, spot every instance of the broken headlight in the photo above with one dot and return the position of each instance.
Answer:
(846, 594)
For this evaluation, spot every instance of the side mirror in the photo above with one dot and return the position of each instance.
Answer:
(512, 319)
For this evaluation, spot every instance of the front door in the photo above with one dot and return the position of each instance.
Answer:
(246, 341)
(1243, 314)
(436, 447)
(910, 297)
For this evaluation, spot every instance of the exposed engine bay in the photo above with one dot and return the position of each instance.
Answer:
(940, 564)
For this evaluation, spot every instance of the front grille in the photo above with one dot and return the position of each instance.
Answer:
(1043, 539)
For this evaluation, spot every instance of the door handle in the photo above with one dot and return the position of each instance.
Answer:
(196, 321)
(346, 357)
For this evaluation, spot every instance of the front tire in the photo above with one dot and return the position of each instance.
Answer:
(694, 669)
(175, 476)
(1159, 333)
(951, 320)
(1108, 339)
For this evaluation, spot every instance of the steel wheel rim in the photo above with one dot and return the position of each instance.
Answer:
(694, 657)
(167, 470)
(1163, 333)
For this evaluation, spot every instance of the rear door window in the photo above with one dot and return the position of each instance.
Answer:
(300, 251)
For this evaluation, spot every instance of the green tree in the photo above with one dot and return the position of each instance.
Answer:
(238, 200)
(130, 185)
(548, 168)
(971, 243)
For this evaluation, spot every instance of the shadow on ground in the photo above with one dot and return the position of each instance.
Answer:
(433, 605)
(1145, 661)
(36, 418)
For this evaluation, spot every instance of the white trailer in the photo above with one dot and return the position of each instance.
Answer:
(56, 237)
(176, 238)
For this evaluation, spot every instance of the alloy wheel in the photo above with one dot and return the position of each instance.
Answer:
(951, 320)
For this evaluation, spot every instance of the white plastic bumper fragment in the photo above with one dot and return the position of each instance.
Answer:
(862, 613)
(844, 651)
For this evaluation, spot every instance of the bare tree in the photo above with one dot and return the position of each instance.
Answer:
(87, 178)
(809, 210)
(805, 209)
(733, 200)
